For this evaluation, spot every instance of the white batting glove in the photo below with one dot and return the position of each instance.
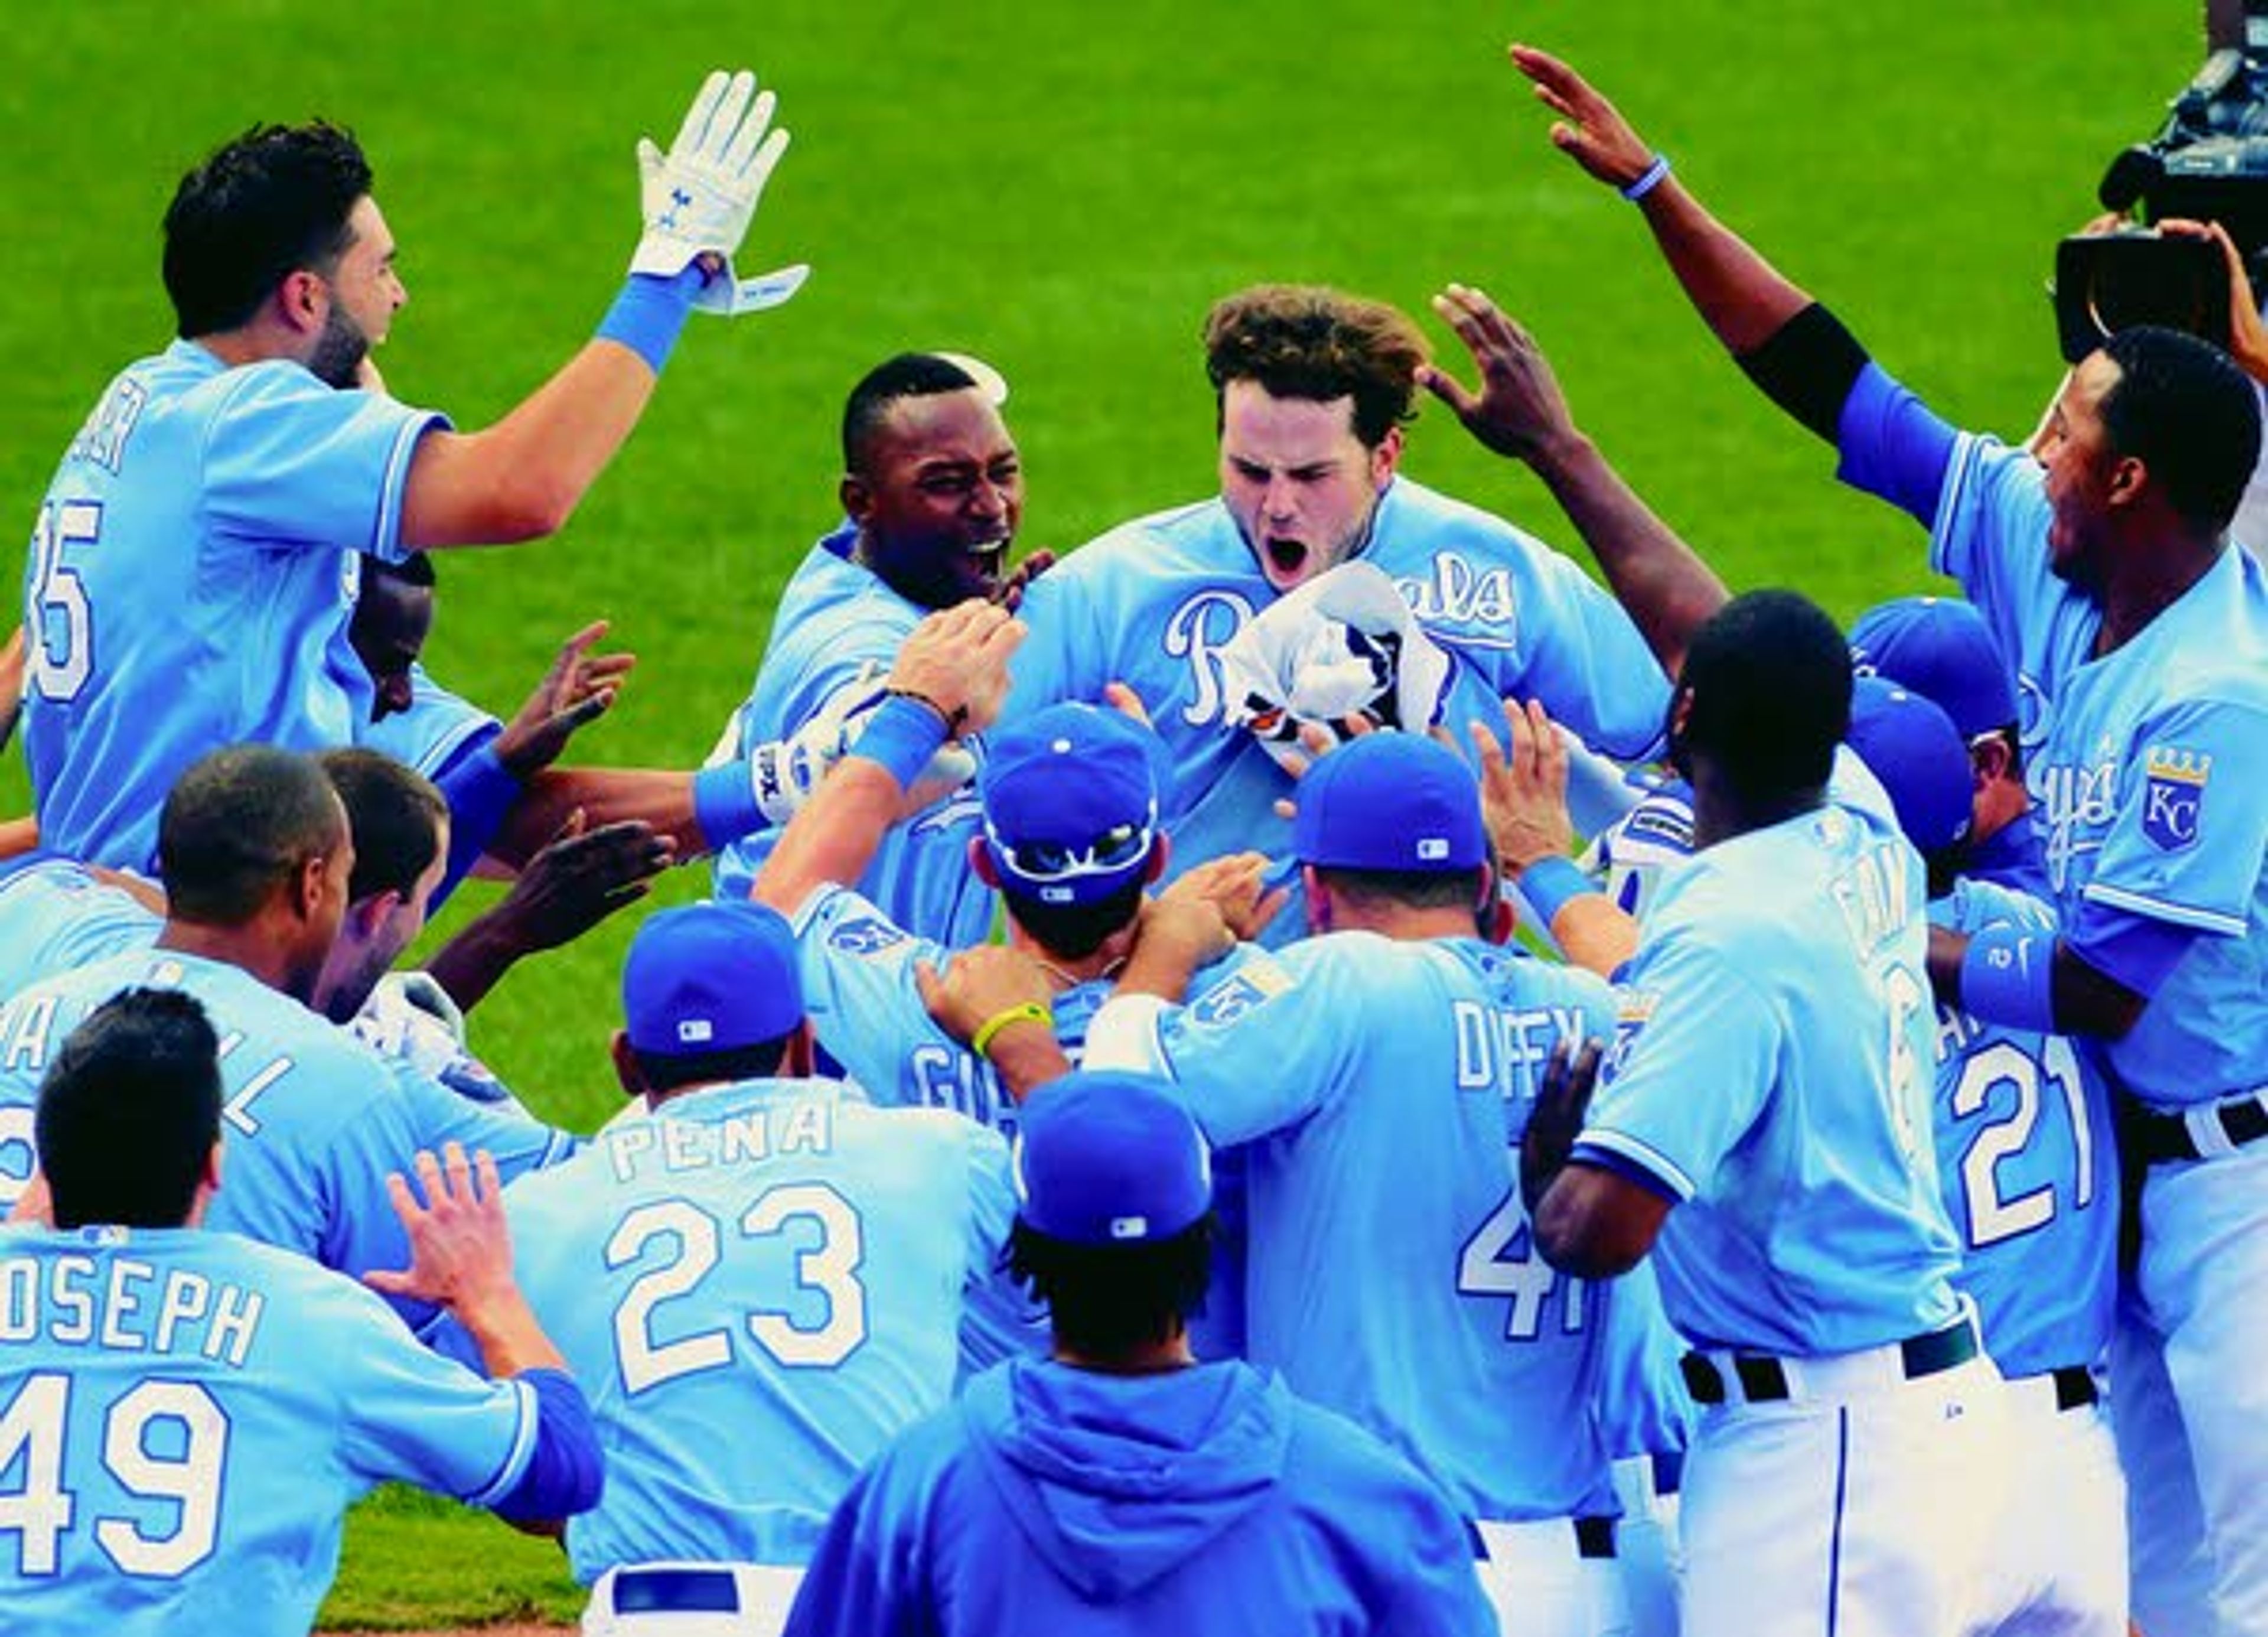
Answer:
(698, 198)
(785, 772)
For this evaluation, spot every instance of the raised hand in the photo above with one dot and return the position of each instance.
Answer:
(698, 198)
(1520, 411)
(1562, 1104)
(956, 661)
(578, 690)
(1236, 887)
(1524, 788)
(1590, 131)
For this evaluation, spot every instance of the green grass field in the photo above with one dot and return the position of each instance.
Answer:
(1061, 189)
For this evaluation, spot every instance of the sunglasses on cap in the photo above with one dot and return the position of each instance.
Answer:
(1113, 850)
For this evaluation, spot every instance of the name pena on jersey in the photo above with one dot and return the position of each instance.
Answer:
(666, 1145)
(126, 1306)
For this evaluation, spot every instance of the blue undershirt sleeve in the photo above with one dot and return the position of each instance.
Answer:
(565, 1474)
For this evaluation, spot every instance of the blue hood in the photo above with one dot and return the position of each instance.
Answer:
(1116, 1479)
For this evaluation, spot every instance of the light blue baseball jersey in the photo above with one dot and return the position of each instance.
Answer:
(186, 1416)
(859, 990)
(1770, 1076)
(192, 569)
(758, 1287)
(834, 618)
(2145, 767)
(55, 915)
(1383, 1087)
(2029, 1162)
(313, 1120)
(438, 731)
(1152, 603)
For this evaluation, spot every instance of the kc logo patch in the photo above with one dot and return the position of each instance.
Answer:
(2173, 795)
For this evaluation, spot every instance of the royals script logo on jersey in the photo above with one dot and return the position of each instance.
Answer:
(1477, 606)
(2076, 804)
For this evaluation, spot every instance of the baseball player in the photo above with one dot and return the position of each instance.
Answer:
(1313, 388)
(933, 489)
(2100, 562)
(1792, 1214)
(187, 1414)
(258, 861)
(1070, 836)
(761, 1278)
(1122, 1485)
(195, 560)
(1381, 1073)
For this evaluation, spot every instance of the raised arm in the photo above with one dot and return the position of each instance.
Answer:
(1743, 298)
(1520, 413)
(949, 678)
(523, 477)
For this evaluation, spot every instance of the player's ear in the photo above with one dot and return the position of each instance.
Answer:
(626, 1067)
(1386, 458)
(980, 861)
(304, 299)
(1991, 758)
(857, 498)
(1161, 853)
(1319, 899)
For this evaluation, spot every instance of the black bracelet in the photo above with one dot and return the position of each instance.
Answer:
(951, 718)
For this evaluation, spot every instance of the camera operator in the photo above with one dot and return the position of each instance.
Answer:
(2140, 643)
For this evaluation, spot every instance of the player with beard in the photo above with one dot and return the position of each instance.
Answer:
(1313, 390)
(932, 489)
(193, 564)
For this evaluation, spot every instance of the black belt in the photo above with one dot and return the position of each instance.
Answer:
(2157, 1139)
(1595, 1537)
(2075, 1388)
(1762, 1379)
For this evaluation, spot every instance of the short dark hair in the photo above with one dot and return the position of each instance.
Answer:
(666, 1071)
(1769, 679)
(129, 1111)
(1105, 1300)
(238, 823)
(1307, 341)
(275, 200)
(2183, 408)
(1076, 931)
(1416, 889)
(395, 815)
(908, 375)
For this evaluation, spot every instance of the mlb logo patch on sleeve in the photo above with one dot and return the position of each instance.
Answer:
(2173, 796)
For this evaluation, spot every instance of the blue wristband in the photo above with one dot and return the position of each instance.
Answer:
(651, 312)
(2008, 977)
(1647, 180)
(1548, 884)
(903, 734)
(480, 791)
(725, 804)
(565, 1472)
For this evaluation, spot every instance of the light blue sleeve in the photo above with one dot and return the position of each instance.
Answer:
(1257, 1051)
(519, 1141)
(858, 988)
(290, 462)
(1691, 1068)
(2188, 844)
(1992, 535)
(1053, 662)
(1589, 664)
(407, 1414)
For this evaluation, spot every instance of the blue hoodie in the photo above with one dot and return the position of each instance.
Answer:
(1200, 1501)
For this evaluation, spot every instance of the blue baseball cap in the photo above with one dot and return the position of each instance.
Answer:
(1070, 803)
(710, 978)
(1108, 1157)
(1941, 648)
(1913, 748)
(1390, 801)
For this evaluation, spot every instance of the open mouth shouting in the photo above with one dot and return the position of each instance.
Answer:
(1286, 560)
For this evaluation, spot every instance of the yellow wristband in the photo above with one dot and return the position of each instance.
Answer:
(1029, 1012)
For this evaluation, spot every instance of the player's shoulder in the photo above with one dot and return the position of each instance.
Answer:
(1197, 535)
(1415, 521)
